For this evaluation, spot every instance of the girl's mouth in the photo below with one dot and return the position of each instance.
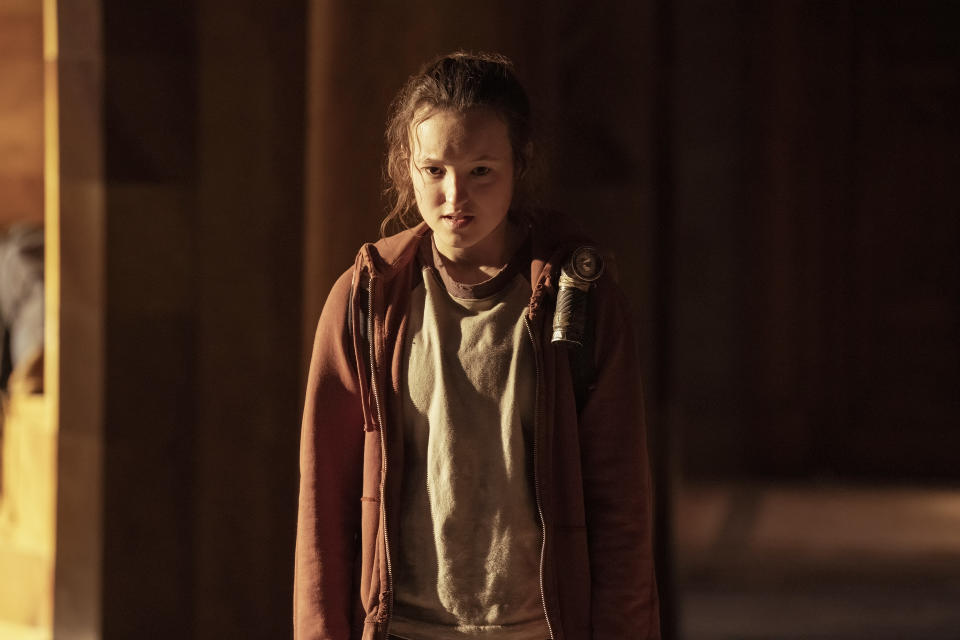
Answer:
(457, 221)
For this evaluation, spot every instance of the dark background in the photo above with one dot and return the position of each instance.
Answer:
(778, 180)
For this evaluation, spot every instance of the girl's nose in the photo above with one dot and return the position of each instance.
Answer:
(455, 189)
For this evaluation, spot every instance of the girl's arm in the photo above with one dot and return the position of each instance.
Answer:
(331, 455)
(616, 481)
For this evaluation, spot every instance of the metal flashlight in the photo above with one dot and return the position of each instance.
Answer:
(584, 267)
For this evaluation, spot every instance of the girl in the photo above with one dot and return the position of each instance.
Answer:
(453, 484)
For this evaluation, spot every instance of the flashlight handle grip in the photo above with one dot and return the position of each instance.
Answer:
(570, 317)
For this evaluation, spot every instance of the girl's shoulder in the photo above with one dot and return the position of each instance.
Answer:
(392, 252)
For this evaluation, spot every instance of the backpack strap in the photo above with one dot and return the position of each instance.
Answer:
(583, 367)
(574, 317)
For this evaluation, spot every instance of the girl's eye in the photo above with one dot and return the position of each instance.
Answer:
(433, 171)
(481, 171)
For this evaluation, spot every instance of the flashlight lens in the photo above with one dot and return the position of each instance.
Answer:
(587, 264)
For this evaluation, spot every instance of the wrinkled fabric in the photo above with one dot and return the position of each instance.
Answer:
(469, 538)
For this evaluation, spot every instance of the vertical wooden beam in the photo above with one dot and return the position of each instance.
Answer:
(248, 257)
(76, 236)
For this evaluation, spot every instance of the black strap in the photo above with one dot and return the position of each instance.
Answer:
(583, 367)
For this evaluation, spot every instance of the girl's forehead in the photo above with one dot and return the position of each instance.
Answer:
(456, 133)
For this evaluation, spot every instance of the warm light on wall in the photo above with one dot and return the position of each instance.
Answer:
(29, 192)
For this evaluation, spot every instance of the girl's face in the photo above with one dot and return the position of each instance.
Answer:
(461, 165)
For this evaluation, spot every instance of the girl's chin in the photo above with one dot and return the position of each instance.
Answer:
(458, 234)
(466, 234)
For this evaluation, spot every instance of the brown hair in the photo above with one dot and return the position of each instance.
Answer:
(457, 82)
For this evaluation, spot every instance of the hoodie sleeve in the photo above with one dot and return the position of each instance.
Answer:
(331, 454)
(616, 482)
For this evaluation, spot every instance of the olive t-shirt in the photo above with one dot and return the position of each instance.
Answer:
(468, 554)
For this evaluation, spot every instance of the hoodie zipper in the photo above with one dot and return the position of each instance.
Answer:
(536, 477)
(383, 454)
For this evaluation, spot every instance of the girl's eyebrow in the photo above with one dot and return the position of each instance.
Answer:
(483, 158)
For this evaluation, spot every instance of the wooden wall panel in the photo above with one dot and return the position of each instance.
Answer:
(181, 158)
(903, 325)
(251, 104)
(21, 111)
(817, 291)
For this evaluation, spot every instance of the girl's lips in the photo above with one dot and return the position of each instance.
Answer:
(457, 222)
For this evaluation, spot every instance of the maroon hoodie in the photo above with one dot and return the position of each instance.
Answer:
(591, 471)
